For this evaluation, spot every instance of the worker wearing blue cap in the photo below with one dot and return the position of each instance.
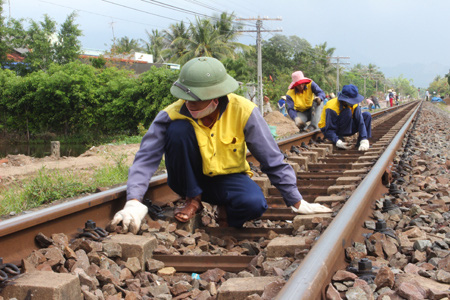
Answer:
(342, 116)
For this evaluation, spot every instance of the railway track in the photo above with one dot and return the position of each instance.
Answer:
(348, 181)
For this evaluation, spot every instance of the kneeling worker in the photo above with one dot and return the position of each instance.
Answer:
(304, 101)
(204, 136)
(342, 116)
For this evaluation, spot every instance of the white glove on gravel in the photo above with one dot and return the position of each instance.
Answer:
(310, 208)
(342, 145)
(363, 145)
(131, 216)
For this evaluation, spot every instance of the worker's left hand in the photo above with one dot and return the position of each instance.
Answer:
(318, 100)
(363, 145)
(310, 208)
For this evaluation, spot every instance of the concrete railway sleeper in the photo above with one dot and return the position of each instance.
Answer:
(281, 251)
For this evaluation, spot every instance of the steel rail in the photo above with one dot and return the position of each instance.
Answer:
(307, 282)
(17, 234)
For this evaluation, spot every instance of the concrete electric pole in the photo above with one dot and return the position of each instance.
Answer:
(337, 64)
(259, 90)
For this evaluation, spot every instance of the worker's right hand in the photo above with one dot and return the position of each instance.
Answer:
(318, 100)
(131, 216)
(342, 145)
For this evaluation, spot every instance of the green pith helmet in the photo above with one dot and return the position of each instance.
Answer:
(203, 78)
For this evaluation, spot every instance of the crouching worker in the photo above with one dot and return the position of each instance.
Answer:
(342, 116)
(304, 101)
(204, 136)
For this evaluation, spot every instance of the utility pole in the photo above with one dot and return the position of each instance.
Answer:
(365, 76)
(376, 77)
(114, 38)
(337, 64)
(259, 90)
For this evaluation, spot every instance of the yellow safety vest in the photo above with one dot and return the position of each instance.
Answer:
(222, 147)
(302, 101)
(332, 104)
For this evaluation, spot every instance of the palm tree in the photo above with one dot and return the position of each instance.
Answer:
(155, 45)
(205, 40)
(175, 41)
(126, 45)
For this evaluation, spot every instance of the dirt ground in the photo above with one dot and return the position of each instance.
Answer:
(19, 167)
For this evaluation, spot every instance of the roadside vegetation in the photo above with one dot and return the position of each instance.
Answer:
(52, 185)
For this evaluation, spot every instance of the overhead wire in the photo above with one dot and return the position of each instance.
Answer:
(179, 9)
(143, 11)
(204, 5)
(102, 15)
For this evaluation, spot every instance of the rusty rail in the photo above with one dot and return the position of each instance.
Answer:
(309, 280)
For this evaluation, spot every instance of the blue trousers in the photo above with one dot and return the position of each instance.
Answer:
(348, 125)
(241, 196)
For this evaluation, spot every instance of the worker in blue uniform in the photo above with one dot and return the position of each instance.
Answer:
(204, 136)
(342, 117)
(304, 101)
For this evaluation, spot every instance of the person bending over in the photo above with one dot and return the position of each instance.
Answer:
(342, 116)
(204, 136)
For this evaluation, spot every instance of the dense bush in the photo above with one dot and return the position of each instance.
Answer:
(76, 98)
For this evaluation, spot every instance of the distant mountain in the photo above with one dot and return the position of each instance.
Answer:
(422, 75)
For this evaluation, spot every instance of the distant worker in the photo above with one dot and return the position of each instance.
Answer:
(304, 101)
(375, 102)
(391, 98)
(427, 96)
(267, 108)
(342, 117)
(369, 103)
(282, 105)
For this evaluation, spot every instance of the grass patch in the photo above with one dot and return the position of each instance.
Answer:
(51, 185)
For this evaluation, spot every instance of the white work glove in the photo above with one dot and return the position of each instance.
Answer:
(363, 145)
(310, 208)
(342, 145)
(131, 216)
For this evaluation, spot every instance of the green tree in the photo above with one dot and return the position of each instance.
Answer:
(68, 47)
(175, 41)
(440, 86)
(126, 45)
(155, 45)
(40, 39)
(4, 47)
(277, 55)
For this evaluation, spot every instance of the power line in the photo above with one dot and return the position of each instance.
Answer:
(143, 11)
(90, 12)
(179, 9)
(204, 5)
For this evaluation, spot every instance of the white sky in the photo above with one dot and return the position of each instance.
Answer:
(408, 37)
